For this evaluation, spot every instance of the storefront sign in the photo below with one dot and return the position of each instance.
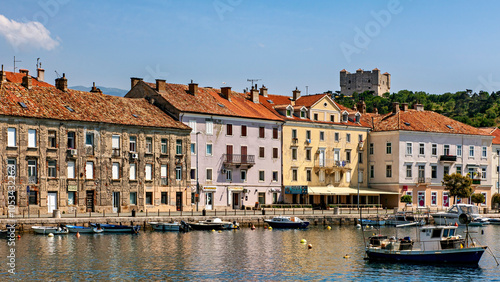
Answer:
(210, 188)
(296, 190)
(72, 188)
(236, 189)
(275, 190)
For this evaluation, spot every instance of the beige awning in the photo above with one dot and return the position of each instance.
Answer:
(345, 191)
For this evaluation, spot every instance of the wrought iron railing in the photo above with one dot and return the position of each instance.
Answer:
(237, 159)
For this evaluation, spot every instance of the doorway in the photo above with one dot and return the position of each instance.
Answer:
(90, 201)
(236, 201)
(178, 201)
(52, 201)
(116, 201)
(209, 201)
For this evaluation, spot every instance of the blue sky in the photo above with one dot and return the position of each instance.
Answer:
(432, 46)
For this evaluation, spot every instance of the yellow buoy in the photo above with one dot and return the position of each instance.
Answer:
(346, 256)
(50, 235)
(220, 231)
(303, 241)
(270, 228)
(328, 227)
(213, 230)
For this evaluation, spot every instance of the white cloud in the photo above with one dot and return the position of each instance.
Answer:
(30, 34)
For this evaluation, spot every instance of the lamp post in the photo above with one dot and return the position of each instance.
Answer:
(197, 199)
(360, 150)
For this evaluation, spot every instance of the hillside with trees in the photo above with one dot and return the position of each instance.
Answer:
(477, 109)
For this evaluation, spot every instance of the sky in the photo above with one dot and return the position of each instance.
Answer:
(431, 46)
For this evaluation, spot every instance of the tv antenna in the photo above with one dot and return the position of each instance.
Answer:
(38, 63)
(15, 63)
(252, 80)
(58, 76)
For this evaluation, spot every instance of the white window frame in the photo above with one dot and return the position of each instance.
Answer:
(192, 124)
(420, 194)
(115, 142)
(32, 138)
(148, 172)
(115, 171)
(89, 170)
(178, 173)
(11, 137)
(410, 193)
(207, 174)
(421, 149)
(211, 152)
(459, 150)
(262, 175)
(209, 127)
(484, 153)
(71, 172)
(434, 196)
(229, 175)
(434, 149)
(243, 175)
(471, 151)
(409, 170)
(409, 148)
(133, 172)
(164, 174)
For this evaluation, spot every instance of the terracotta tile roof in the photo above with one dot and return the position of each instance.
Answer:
(51, 103)
(209, 101)
(424, 121)
(309, 100)
(492, 131)
(18, 78)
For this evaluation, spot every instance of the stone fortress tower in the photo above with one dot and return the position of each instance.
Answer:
(362, 81)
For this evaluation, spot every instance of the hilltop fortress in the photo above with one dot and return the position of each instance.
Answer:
(362, 81)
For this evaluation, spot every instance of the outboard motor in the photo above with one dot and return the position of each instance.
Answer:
(184, 226)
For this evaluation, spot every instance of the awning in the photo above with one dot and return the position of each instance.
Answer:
(345, 191)
(324, 190)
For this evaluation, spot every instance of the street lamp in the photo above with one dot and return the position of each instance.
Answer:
(197, 199)
(360, 150)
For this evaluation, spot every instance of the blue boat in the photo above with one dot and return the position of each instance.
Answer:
(287, 222)
(108, 228)
(374, 222)
(83, 229)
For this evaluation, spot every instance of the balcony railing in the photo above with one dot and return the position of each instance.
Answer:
(476, 181)
(448, 158)
(237, 159)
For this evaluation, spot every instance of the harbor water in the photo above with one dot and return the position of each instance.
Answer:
(251, 255)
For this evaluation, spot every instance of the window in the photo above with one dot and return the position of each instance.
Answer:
(262, 175)
(321, 136)
(164, 198)
(133, 171)
(345, 117)
(446, 170)
(308, 174)
(348, 176)
(115, 142)
(164, 175)
(288, 112)
(148, 172)
(149, 198)
(32, 138)
(483, 172)
(433, 171)
(459, 169)
(11, 168)
(294, 133)
(321, 176)
(484, 153)
(332, 118)
(308, 134)
(361, 174)
(275, 176)
(229, 175)
(360, 157)
(209, 150)
(229, 129)
(164, 147)
(71, 140)
(294, 154)
(209, 174)
(388, 171)
(275, 133)
(243, 175)
(275, 198)
(261, 152)
(192, 174)
(262, 132)
(32, 172)
(421, 173)
(446, 199)
(433, 198)
(410, 193)
(348, 156)
(262, 198)
(33, 197)
(133, 198)
(388, 148)
(71, 169)
(409, 148)
(421, 199)
(178, 147)
(308, 154)
(337, 137)
(193, 148)
(71, 198)
(52, 142)
(192, 124)
(115, 171)
(421, 149)
(434, 150)
(302, 114)
(360, 138)
(178, 173)
(372, 171)
(294, 174)
(408, 171)
(89, 170)
(11, 137)
(459, 150)
(370, 149)
(51, 168)
(243, 130)
(133, 144)
(348, 137)
(89, 139)
(315, 116)
(149, 145)
(471, 151)
(446, 150)
(336, 155)
(275, 153)
(209, 127)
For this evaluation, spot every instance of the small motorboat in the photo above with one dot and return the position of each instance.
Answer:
(83, 229)
(494, 221)
(404, 219)
(170, 226)
(214, 224)
(450, 217)
(373, 222)
(114, 228)
(287, 222)
(50, 229)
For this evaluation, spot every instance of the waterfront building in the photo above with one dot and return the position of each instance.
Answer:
(324, 150)
(362, 81)
(410, 150)
(235, 142)
(78, 151)
(495, 157)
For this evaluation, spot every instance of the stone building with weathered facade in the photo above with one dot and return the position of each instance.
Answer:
(81, 151)
(362, 81)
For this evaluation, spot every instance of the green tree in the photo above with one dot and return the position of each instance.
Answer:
(407, 199)
(477, 198)
(458, 186)
(495, 199)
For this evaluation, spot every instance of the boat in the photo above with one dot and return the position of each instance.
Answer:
(434, 245)
(494, 221)
(373, 222)
(83, 229)
(50, 229)
(450, 217)
(213, 224)
(114, 228)
(287, 222)
(170, 226)
(404, 219)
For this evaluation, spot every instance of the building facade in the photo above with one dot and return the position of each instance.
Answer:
(362, 81)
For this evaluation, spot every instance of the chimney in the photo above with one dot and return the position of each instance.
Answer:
(254, 94)
(40, 74)
(3, 76)
(95, 89)
(161, 85)
(134, 81)
(395, 107)
(405, 107)
(27, 81)
(418, 107)
(62, 83)
(263, 91)
(24, 71)
(296, 94)
(193, 88)
(226, 93)
(362, 107)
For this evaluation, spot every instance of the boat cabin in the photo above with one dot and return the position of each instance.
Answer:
(445, 235)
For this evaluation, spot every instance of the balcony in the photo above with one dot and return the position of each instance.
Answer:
(422, 180)
(476, 181)
(331, 165)
(238, 160)
(447, 158)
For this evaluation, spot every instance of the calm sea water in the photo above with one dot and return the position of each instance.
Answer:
(259, 255)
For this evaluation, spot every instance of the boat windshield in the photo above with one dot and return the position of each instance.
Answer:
(453, 209)
(469, 209)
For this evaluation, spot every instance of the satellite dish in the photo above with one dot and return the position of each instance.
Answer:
(464, 218)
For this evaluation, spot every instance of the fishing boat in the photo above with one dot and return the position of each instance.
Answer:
(434, 244)
(213, 224)
(404, 219)
(50, 229)
(114, 228)
(287, 222)
(83, 229)
(450, 217)
(373, 222)
(170, 226)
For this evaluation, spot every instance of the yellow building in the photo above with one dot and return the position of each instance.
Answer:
(323, 150)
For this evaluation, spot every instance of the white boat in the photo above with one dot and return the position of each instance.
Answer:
(287, 222)
(170, 226)
(214, 224)
(450, 217)
(83, 229)
(404, 219)
(49, 229)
